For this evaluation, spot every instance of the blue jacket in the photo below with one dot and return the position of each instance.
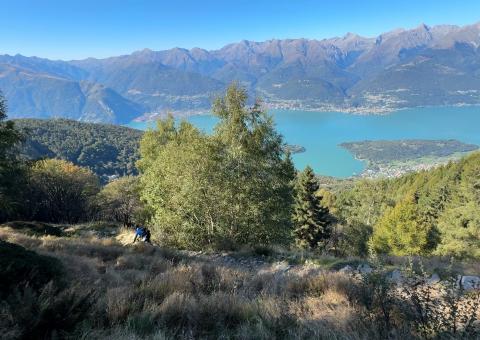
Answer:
(140, 231)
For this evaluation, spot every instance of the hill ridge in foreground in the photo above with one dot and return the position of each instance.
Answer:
(108, 150)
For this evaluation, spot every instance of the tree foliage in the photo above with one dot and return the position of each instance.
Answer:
(233, 187)
(312, 221)
(459, 222)
(10, 168)
(120, 201)
(439, 209)
(401, 230)
(60, 192)
(105, 149)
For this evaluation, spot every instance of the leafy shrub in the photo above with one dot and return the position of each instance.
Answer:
(262, 250)
(60, 192)
(353, 239)
(377, 302)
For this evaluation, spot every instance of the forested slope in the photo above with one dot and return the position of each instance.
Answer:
(430, 212)
(105, 149)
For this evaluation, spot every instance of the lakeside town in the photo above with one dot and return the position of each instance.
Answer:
(398, 168)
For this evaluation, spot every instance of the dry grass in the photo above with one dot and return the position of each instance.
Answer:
(141, 291)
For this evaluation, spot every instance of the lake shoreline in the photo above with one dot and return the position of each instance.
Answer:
(393, 158)
(367, 111)
(320, 134)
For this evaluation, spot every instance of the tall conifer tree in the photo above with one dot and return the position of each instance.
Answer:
(312, 222)
(9, 165)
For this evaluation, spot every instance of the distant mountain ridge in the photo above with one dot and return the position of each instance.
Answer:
(437, 65)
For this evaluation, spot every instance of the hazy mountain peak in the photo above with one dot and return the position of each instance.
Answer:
(422, 27)
(444, 29)
(146, 52)
(198, 50)
(350, 35)
(419, 66)
(180, 50)
(393, 33)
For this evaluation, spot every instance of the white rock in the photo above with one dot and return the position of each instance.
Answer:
(347, 269)
(395, 276)
(433, 279)
(282, 267)
(364, 268)
(470, 282)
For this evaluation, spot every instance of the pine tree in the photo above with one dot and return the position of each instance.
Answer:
(312, 221)
(10, 169)
(403, 230)
(9, 136)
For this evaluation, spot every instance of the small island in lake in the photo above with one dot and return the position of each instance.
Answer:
(392, 158)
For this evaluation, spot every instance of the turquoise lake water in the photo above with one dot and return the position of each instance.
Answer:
(321, 132)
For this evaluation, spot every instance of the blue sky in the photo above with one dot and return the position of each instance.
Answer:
(69, 29)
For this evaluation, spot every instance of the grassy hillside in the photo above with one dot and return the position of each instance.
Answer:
(105, 149)
(110, 289)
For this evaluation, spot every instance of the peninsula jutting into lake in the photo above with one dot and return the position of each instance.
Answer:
(322, 133)
(394, 158)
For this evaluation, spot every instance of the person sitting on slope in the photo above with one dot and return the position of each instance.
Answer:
(140, 233)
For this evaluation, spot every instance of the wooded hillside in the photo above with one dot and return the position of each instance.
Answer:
(106, 149)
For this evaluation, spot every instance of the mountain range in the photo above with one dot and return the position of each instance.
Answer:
(438, 65)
